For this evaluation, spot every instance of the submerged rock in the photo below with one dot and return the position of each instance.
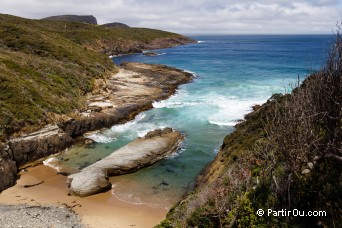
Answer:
(135, 155)
(150, 53)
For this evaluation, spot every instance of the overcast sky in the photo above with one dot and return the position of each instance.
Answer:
(196, 16)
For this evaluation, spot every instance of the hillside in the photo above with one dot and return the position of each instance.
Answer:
(285, 156)
(47, 66)
(89, 19)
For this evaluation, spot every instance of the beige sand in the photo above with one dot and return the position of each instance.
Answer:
(101, 210)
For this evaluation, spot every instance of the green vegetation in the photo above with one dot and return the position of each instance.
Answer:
(46, 67)
(286, 155)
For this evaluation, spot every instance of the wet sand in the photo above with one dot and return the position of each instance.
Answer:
(101, 210)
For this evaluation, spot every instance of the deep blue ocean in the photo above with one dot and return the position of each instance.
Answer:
(233, 73)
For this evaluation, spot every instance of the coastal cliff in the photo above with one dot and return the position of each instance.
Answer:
(283, 162)
(57, 82)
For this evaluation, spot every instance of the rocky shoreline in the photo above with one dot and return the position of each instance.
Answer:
(114, 101)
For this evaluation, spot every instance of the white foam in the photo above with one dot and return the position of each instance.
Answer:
(132, 199)
(126, 197)
(101, 138)
(126, 126)
(173, 104)
(200, 41)
(178, 100)
(222, 123)
(181, 149)
(52, 162)
(190, 72)
(110, 135)
(230, 110)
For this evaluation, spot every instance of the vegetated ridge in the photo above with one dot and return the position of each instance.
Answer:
(285, 156)
(46, 67)
(90, 19)
(116, 25)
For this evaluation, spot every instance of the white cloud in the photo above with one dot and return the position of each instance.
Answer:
(196, 16)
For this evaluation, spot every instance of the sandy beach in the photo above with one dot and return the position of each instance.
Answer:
(101, 210)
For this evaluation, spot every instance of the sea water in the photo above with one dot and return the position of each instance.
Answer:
(232, 73)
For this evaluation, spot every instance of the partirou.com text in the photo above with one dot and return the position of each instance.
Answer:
(294, 212)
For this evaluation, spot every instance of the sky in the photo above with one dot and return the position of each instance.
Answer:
(196, 16)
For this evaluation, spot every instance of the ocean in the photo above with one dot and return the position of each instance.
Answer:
(233, 73)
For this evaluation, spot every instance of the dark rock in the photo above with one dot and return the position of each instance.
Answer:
(33, 185)
(164, 183)
(63, 174)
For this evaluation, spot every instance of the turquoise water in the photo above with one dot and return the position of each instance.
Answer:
(233, 73)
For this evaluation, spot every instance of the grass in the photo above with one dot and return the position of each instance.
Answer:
(46, 67)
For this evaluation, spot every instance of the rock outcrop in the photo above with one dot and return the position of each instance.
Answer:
(141, 152)
(39, 144)
(89, 19)
(8, 168)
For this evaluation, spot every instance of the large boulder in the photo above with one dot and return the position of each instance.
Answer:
(95, 181)
(137, 154)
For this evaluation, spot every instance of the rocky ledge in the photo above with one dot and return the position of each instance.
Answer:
(137, 154)
(115, 100)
